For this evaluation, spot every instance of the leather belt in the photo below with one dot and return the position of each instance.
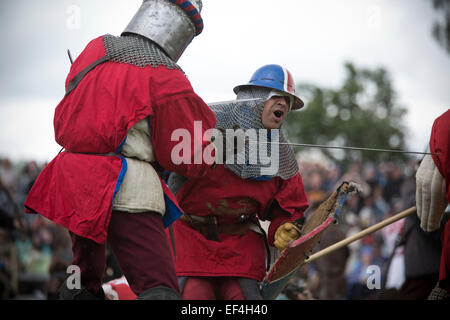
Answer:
(210, 228)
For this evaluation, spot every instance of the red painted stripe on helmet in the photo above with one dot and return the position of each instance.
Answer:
(290, 87)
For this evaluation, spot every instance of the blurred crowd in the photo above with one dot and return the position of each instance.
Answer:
(35, 253)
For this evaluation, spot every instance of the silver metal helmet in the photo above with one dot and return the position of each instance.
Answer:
(172, 24)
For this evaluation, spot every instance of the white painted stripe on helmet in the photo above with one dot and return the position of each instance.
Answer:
(285, 82)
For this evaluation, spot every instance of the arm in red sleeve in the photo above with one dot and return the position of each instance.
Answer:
(290, 204)
(440, 143)
(180, 139)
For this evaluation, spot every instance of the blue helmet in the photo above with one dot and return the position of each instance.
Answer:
(275, 77)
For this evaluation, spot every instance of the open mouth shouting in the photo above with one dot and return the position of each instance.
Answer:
(278, 114)
(274, 112)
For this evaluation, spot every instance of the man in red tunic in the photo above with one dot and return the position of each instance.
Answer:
(220, 245)
(124, 97)
(433, 195)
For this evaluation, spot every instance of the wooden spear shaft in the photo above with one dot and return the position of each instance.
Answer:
(360, 234)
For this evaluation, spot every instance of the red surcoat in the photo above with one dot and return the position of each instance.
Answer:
(77, 187)
(228, 196)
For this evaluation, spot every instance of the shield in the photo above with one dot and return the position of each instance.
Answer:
(297, 252)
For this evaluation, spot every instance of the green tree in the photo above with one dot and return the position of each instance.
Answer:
(363, 112)
(441, 27)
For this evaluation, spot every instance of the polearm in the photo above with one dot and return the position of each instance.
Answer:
(361, 234)
(70, 56)
(347, 148)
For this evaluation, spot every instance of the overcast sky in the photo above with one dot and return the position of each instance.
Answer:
(312, 39)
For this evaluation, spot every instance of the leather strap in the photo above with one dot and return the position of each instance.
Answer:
(79, 76)
(210, 228)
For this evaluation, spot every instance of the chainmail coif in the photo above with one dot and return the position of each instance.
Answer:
(247, 115)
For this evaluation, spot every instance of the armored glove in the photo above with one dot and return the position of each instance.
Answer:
(286, 233)
(430, 194)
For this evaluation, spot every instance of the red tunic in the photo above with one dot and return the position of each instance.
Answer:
(440, 143)
(76, 190)
(227, 195)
